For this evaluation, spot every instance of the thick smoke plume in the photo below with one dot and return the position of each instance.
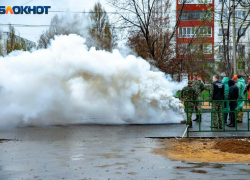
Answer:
(67, 84)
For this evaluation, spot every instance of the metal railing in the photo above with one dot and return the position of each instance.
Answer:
(206, 107)
(206, 94)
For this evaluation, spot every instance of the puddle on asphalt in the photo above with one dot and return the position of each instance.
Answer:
(199, 165)
(109, 155)
(77, 157)
(199, 171)
(218, 166)
(245, 170)
(179, 167)
(109, 165)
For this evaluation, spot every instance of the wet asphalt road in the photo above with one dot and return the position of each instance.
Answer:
(100, 152)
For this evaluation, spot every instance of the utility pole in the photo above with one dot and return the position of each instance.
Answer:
(234, 43)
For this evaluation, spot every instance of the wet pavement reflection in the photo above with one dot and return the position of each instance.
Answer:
(100, 152)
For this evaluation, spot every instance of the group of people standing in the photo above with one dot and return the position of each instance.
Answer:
(232, 90)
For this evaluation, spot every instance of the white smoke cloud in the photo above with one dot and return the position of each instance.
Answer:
(68, 84)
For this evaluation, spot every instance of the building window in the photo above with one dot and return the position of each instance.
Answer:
(183, 48)
(186, 48)
(222, 49)
(224, 31)
(195, 15)
(241, 49)
(222, 1)
(242, 1)
(194, 1)
(240, 14)
(207, 48)
(224, 15)
(187, 32)
(240, 31)
(236, 31)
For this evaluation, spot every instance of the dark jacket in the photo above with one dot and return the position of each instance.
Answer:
(218, 90)
(247, 88)
(233, 90)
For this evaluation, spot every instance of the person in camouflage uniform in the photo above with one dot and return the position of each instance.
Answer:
(198, 86)
(217, 93)
(188, 94)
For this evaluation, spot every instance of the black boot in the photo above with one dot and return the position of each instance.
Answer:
(190, 125)
(197, 118)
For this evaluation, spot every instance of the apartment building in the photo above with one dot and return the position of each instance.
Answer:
(224, 28)
(200, 30)
(196, 28)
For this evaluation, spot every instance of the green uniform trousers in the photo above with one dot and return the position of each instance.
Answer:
(197, 105)
(217, 116)
(189, 114)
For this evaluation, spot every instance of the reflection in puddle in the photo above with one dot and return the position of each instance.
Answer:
(199, 171)
(179, 167)
(116, 164)
(77, 157)
(109, 155)
(218, 166)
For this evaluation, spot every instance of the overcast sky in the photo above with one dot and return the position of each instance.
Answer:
(32, 33)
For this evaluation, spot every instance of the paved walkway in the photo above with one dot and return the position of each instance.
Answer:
(100, 152)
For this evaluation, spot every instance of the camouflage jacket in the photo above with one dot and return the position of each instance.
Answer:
(188, 93)
(198, 86)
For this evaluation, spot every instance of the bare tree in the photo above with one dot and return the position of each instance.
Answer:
(153, 36)
(146, 23)
(226, 22)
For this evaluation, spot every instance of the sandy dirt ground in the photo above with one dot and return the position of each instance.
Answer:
(206, 150)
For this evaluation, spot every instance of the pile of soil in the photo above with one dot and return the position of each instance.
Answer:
(205, 150)
(239, 146)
